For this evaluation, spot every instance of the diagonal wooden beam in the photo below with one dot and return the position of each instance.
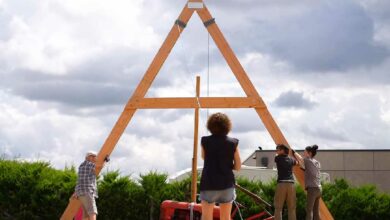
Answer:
(250, 91)
(227, 53)
(241, 75)
(162, 54)
(192, 102)
(140, 91)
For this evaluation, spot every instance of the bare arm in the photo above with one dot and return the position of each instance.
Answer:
(237, 160)
(202, 152)
(98, 167)
(299, 159)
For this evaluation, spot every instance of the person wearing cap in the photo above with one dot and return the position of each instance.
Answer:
(86, 188)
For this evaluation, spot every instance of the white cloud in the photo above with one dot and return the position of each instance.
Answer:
(30, 131)
(58, 35)
(99, 52)
(140, 155)
(385, 105)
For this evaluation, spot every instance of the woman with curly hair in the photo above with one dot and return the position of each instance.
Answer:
(221, 156)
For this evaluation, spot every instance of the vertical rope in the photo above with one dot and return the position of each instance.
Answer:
(238, 208)
(208, 71)
(191, 211)
(208, 68)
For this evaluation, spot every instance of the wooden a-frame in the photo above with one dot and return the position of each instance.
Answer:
(138, 100)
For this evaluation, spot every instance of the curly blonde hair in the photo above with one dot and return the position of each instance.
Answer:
(219, 124)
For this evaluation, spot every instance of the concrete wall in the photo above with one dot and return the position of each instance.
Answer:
(251, 160)
(357, 166)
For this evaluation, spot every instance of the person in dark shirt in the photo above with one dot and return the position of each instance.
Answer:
(285, 189)
(221, 156)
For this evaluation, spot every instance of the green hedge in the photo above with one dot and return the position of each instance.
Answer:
(35, 190)
(365, 202)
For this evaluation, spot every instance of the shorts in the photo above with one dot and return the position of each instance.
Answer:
(88, 204)
(218, 196)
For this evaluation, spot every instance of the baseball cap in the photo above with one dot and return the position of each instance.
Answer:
(90, 153)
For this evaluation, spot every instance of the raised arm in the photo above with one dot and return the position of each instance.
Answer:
(299, 159)
(98, 168)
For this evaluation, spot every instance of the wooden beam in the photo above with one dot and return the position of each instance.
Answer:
(250, 91)
(106, 150)
(191, 102)
(195, 151)
(162, 54)
(138, 101)
(71, 209)
(228, 54)
(140, 91)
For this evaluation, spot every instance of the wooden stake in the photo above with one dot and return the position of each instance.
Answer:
(195, 153)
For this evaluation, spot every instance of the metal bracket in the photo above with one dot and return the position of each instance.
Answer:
(180, 23)
(209, 22)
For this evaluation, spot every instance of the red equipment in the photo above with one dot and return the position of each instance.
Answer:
(171, 210)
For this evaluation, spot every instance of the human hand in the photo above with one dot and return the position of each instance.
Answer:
(74, 196)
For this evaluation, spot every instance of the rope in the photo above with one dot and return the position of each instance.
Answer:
(191, 211)
(238, 208)
(208, 68)
(197, 101)
(178, 27)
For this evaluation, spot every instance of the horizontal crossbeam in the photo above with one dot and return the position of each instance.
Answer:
(193, 102)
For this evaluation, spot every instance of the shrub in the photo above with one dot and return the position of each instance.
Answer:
(34, 190)
(266, 191)
(120, 197)
(365, 202)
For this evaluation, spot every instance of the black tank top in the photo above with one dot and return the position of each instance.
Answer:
(217, 171)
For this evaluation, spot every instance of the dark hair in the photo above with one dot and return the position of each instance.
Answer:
(219, 124)
(282, 147)
(312, 149)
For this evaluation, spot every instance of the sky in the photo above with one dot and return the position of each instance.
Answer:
(67, 68)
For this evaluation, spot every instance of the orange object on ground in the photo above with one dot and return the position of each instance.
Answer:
(182, 210)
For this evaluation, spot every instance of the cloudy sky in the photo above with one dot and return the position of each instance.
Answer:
(67, 68)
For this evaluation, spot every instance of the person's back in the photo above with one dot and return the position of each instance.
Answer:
(285, 188)
(284, 165)
(218, 162)
(86, 179)
(312, 172)
(312, 183)
(221, 156)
